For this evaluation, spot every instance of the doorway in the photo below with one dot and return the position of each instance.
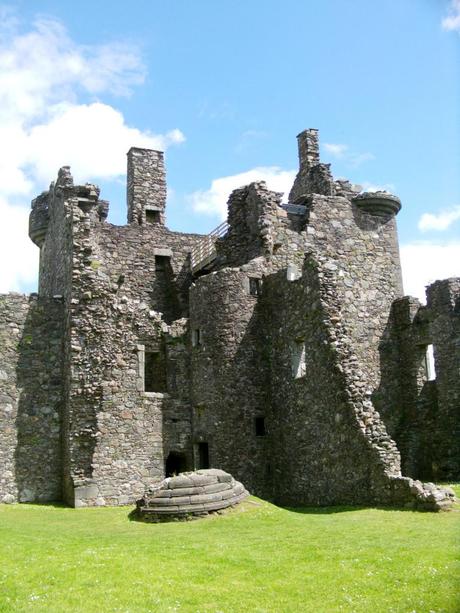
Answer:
(175, 463)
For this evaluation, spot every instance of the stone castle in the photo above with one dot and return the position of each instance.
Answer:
(279, 348)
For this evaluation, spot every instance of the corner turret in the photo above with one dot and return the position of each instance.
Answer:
(381, 204)
(39, 219)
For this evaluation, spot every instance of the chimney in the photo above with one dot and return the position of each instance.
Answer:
(308, 144)
(146, 187)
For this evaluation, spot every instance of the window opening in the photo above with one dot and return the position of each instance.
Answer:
(259, 423)
(152, 216)
(196, 337)
(255, 286)
(154, 372)
(203, 455)
(162, 263)
(429, 364)
(298, 364)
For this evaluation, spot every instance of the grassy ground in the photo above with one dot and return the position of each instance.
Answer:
(258, 558)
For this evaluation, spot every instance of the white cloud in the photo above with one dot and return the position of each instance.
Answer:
(213, 201)
(441, 221)
(93, 139)
(342, 152)
(452, 21)
(50, 118)
(367, 186)
(18, 255)
(425, 262)
(336, 150)
(44, 66)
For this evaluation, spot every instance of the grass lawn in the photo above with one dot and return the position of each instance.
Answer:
(256, 558)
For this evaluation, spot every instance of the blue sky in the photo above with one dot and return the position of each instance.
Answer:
(224, 87)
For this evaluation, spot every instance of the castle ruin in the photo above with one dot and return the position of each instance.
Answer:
(280, 349)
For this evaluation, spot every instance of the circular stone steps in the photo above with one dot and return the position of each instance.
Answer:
(191, 494)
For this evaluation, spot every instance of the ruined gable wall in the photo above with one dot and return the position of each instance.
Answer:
(410, 400)
(30, 398)
(443, 305)
(423, 415)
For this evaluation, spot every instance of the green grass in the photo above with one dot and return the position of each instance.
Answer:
(256, 558)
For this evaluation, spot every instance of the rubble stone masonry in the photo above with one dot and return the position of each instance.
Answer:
(289, 357)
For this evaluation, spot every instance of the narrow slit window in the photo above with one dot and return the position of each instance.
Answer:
(298, 363)
(255, 286)
(154, 372)
(196, 337)
(429, 364)
(259, 423)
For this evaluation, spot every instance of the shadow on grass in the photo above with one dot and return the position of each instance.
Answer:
(344, 509)
(52, 504)
(133, 515)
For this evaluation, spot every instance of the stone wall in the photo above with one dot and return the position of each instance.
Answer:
(422, 415)
(30, 398)
(330, 441)
(360, 250)
(229, 376)
(443, 305)
(407, 400)
(252, 212)
(128, 284)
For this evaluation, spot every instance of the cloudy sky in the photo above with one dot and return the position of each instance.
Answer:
(224, 86)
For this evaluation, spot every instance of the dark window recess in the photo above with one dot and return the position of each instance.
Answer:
(172, 375)
(255, 286)
(260, 426)
(162, 263)
(203, 455)
(154, 372)
(175, 464)
(196, 337)
(152, 216)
